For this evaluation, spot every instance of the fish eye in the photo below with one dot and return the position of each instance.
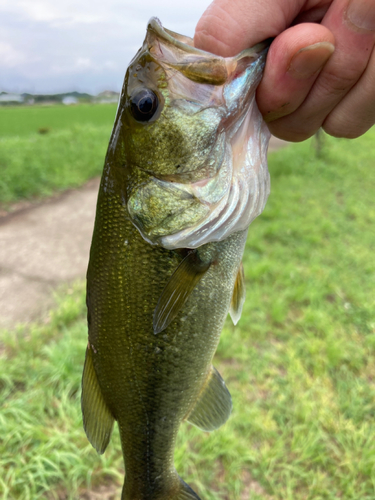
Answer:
(143, 105)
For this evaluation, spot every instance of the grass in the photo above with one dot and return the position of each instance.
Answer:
(21, 121)
(40, 165)
(69, 152)
(300, 364)
(42, 444)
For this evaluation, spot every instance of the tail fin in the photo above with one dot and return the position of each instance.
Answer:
(179, 491)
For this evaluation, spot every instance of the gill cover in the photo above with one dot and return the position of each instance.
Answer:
(229, 184)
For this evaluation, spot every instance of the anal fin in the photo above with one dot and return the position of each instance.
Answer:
(97, 419)
(238, 297)
(213, 405)
(177, 290)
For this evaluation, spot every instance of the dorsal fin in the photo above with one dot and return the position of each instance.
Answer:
(176, 292)
(238, 297)
(213, 405)
(97, 419)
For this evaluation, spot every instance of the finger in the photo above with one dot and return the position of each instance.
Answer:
(356, 112)
(293, 63)
(354, 44)
(313, 15)
(229, 26)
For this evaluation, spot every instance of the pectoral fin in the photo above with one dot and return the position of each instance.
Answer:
(97, 419)
(214, 404)
(238, 297)
(177, 290)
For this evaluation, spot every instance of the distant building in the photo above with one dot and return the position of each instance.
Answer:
(69, 99)
(106, 97)
(9, 98)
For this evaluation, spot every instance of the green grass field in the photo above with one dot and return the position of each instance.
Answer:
(300, 364)
(22, 121)
(70, 152)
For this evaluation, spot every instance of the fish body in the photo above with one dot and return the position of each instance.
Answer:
(165, 260)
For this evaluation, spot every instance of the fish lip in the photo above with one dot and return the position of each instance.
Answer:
(170, 37)
(173, 38)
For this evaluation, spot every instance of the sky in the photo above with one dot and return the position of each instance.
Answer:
(53, 46)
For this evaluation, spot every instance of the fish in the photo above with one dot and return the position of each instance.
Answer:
(184, 175)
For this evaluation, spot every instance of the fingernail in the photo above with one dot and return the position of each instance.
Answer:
(361, 13)
(307, 61)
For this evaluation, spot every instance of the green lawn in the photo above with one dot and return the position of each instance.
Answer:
(71, 151)
(300, 364)
(24, 120)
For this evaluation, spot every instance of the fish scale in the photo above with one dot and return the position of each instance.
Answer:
(155, 314)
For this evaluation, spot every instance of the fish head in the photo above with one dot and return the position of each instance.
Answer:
(185, 127)
(170, 122)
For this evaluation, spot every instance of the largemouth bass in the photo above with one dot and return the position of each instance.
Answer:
(185, 174)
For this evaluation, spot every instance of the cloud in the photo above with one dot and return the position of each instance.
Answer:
(63, 11)
(83, 62)
(9, 56)
(40, 11)
(50, 46)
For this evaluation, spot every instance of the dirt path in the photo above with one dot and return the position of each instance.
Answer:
(45, 245)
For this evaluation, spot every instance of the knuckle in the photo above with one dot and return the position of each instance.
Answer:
(334, 84)
(347, 122)
(343, 130)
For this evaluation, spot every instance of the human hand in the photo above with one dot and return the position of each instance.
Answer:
(320, 69)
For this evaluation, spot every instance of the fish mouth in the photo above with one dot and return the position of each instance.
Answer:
(182, 42)
(178, 52)
(186, 43)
